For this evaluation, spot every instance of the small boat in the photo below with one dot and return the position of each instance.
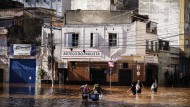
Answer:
(94, 97)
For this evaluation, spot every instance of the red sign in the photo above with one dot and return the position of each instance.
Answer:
(111, 64)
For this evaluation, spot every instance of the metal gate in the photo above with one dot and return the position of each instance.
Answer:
(98, 76)
(22, 71)
(1, 75)
(125, 77)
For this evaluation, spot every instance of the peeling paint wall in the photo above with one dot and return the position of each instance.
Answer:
(90, 4)
(75, 17)
(186, 27)
(167, 14)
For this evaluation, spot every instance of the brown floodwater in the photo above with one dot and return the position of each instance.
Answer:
(17, 95)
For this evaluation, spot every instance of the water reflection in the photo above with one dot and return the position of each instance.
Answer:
(13, 95)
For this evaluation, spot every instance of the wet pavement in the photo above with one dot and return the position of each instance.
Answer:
(20, 95)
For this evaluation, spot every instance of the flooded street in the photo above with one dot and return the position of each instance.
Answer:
(19, 95)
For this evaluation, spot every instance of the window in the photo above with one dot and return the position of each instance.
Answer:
(151, 27)
(112, 39)
(94, 39)
(59, 9)
(156, 46)
(152, 45)
(49, 39)
(72, 40)
(147, 45)
(163, 45)
(44, 0)
(186, 42)
(37, 0)
(125, 65)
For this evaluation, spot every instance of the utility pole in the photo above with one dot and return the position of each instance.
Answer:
(52, 47)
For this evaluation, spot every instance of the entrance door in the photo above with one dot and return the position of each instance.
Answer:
(22, 71)
(1, 80)
(62, 75)
(125, 77)
(151, 74)
(97, 76)
(1, 75)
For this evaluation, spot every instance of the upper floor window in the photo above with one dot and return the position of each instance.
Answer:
(125, 65)
(59, 9)
(50, 39)
(151, 27)
(186, 42)
(94, 39)
(163, 45)
(72, 39)
(112, 39)
(156, 46)
(151, 46)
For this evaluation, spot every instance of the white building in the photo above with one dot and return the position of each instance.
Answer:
(82, 51)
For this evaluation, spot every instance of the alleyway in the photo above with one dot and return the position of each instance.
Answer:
(69, 96)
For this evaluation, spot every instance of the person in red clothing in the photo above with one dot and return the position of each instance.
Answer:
(84, 88)
(85, 91)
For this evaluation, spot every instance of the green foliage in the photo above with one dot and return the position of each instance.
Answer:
(41, 73)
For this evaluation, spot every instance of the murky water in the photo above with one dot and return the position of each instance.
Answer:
(20, 95)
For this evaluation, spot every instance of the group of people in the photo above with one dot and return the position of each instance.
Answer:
(137, 87)
(96, 89)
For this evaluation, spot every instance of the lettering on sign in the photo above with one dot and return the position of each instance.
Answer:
(22, 49)
(81, 54)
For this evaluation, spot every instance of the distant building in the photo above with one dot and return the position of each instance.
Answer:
(58, 5)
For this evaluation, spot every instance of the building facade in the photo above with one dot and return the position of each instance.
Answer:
(85, 49)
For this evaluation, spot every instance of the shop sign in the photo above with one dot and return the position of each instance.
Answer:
(151, 59)
(22, 49)
(81, 54)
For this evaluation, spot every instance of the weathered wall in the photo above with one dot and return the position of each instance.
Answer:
(141, 36)
(97, 17)
(90, 4)
(167, 14)
(130, 4)
(186, 26)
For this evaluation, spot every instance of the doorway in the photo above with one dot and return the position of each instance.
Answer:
(151, 74)
(97, 76)
(1, 75)
(62, 74)
(125, 77)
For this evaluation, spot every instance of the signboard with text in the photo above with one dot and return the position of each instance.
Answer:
(81, 54)
(22, 49)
